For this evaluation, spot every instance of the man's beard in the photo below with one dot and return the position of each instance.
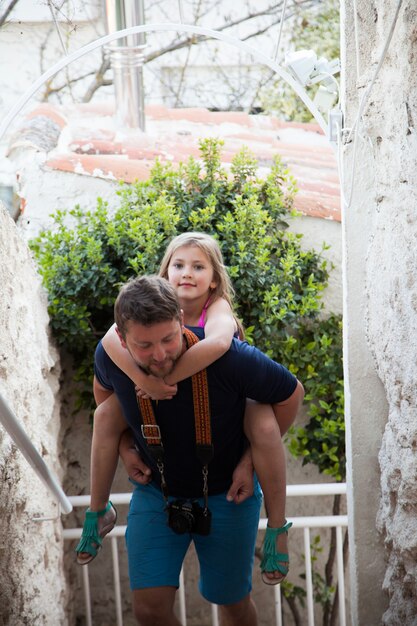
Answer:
(170, 364)
(161, 373)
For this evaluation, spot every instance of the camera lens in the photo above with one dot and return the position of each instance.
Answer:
(180, 517)
(181, 522)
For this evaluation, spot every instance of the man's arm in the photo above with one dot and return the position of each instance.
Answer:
(242, 479)
(135, 467)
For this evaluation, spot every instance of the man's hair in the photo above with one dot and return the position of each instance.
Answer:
(146, 300)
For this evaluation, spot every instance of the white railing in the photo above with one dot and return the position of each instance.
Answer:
(307, 523)
(32, 456)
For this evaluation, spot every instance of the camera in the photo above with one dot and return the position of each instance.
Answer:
(188, 517)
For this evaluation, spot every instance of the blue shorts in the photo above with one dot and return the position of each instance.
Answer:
(156, 553)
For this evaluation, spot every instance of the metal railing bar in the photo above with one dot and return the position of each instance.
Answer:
(181, 597)
(116, 498)
(315, 521)
(87, 596)
(306, 523)
(116, 578)
(309, 577)
(32, 456)
(315, 489)
(340, 576)
(278, 607)
(214, 615)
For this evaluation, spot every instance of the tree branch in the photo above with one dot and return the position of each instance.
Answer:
(197, 39)
(7, 11)
(99, 80)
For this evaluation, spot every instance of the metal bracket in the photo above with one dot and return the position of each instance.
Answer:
(155, 429)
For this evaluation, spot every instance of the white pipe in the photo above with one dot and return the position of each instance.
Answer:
(188, 28)
(26, 447)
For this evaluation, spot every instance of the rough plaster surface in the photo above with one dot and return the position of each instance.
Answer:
(391, 286)
(30, 552)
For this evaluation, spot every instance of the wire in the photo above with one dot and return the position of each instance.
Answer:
(339, 147)
(284, 7)
(364, 99)
(356, 28)
(367, 91)
(57, 28)
(181, 11)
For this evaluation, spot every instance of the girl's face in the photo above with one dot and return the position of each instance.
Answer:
(191, 272)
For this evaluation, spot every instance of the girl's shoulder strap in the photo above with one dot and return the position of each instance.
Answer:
(202, 320)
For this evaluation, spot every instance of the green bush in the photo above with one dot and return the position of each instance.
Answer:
(87, 255)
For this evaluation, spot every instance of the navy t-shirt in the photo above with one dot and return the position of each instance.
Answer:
(243, 372)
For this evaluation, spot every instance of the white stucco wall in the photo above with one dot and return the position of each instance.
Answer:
(324, 236)
(32, 589)
(381, 315)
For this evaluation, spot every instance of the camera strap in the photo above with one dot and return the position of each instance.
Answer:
(204, 447)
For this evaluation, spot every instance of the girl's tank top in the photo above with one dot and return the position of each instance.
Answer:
(202, 320)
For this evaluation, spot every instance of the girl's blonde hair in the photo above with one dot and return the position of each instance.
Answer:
(211, 249)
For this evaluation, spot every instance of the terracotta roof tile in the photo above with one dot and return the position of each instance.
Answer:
(93, 146)
(102, 166)
(48, 110)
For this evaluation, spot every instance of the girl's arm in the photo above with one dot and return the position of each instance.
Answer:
(155, 387)
(219, 330)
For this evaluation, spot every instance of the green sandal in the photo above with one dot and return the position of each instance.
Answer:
(96, 526)
(272, 561)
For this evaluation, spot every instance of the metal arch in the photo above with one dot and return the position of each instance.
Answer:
(187, 28)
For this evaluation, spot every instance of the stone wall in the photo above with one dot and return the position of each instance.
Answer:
(32, 589)
(381, 238)
(392, 320)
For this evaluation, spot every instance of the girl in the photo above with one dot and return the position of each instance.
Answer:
(193, 264)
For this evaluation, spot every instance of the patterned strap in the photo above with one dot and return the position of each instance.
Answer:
(150, 428)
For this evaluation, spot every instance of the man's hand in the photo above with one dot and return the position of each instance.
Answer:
(156, 389)
(135, 467)
(242, 480)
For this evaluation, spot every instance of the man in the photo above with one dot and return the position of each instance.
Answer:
(193, 476)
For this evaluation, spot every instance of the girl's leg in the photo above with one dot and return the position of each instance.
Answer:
(268, 454)
(108, 426)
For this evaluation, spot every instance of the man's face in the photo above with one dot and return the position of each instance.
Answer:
(155, 348)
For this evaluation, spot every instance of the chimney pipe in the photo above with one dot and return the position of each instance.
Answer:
(126, 58)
